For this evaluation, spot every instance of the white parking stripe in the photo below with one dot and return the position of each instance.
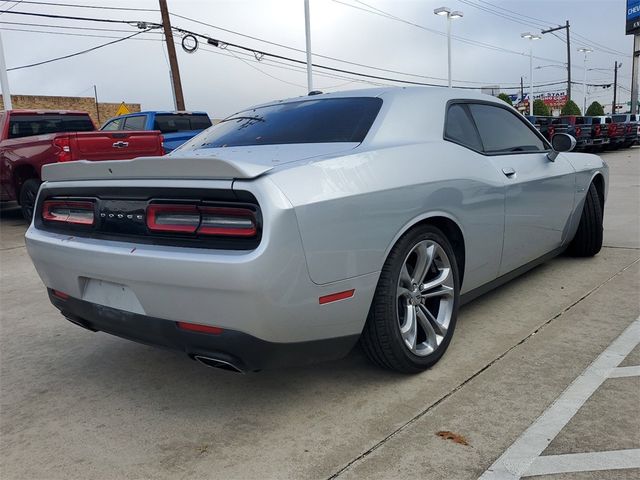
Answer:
(632, 371)
(517, 459)
(585, 462)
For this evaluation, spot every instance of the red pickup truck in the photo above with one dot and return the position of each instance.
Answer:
(30, 139)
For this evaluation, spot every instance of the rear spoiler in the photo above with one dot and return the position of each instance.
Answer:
(201, 168)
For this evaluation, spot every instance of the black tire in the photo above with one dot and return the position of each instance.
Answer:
(588, 239)
(28, 194)
(381, 338)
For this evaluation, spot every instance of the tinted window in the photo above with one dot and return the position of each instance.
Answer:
(460, 129)
(29, 125)
(134, 123)
(113, 125)
(178, 122)
(503, 131)
(619, 118)
(307, 121)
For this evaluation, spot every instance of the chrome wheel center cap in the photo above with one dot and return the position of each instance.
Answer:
(416, 298)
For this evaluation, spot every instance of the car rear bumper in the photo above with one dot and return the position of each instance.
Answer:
(265, 293)
(242, 351)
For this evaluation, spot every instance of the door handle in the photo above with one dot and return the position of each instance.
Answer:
(509, 172)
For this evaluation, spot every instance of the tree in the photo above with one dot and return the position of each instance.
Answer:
(595, 110)
(505, 98)
(540, 108)
(570, 108)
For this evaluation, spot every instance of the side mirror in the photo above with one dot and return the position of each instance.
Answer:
(561, 142)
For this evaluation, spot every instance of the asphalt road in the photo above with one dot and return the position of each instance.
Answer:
(76, 404)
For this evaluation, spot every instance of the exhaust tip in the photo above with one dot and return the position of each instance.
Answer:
(217, 363)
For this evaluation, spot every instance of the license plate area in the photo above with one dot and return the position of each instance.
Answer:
(112, 295)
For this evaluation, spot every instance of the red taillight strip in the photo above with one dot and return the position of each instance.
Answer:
(201, 215)
(196, 327)
(227, 231)
(154, 210)
(334, 297)
(49, 208)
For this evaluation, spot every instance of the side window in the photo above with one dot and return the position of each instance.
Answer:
(503, 131)
(459, 127)
(134, 123)
(113, 125)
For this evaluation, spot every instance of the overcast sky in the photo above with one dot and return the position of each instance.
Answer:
(220, 82)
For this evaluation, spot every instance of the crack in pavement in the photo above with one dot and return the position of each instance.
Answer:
(421, 414)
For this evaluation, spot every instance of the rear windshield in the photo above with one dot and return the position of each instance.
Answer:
(180, 122)
(307, 121)
(30, 125)
(619, 118)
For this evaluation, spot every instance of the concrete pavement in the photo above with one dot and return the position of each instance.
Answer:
(76, 404)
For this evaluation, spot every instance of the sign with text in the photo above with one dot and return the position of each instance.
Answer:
(633, 17)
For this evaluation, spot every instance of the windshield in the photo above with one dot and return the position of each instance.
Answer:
(308, 121)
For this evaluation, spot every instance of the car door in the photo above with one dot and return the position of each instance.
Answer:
(539, 194)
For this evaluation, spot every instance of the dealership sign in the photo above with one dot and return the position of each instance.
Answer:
(550, 99)
(633, 17)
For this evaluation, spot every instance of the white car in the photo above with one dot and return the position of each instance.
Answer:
(291, 230)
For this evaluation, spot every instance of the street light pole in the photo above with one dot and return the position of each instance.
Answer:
(307, 31)
(444, 11)
(531, 37)
(585, 50)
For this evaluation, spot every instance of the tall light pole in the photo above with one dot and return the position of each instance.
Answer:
(585, 50)
(531, 37)
(4, 80)
(307, 31)
(444, 11)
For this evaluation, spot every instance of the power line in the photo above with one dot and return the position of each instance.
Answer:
(464, 40)
(70, 27)
(77, 53)
(86, 35)
(85, 19)
(128, 9)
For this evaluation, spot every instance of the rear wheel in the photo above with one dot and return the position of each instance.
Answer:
(588, 239)
(28, 194)
(414, 310)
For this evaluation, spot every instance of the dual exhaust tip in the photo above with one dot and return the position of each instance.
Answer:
(218, 363)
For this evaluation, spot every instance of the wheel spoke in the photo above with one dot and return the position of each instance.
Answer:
(405, 278)
(436, 326)
(427, 327)
(425, 254)
(409, 329)
(438, 292)
(403, 292)
(444, 279)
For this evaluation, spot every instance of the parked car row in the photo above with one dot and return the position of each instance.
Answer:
(30, 139)
(592, 133)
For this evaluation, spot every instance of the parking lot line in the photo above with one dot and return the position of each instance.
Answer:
(585, 462)
(631, 371)
(516, 461)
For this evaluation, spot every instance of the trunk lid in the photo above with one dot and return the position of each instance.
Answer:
(104, 145)
(213, 163)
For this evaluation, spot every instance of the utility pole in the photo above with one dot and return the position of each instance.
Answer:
(95, 95)
(521, 89)
(615, 87)
(4, 79)
(635, 68)
(566, 27)
(173, 60)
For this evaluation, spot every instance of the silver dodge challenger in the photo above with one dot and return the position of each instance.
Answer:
(292, 230)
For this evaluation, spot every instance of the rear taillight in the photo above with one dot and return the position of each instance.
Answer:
(68, 212)
(202, 220)
(597, 130)
(162, 150)
(629, 129)
(551, 131)
(63, 144)
(578, 131)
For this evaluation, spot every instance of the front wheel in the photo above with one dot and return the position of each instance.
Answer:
(414, 310)
(588, 239)
(28, 195)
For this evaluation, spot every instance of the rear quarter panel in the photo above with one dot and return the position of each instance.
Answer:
(352, 209)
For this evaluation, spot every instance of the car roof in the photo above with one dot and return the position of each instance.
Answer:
(26, 111)
(389, 93)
